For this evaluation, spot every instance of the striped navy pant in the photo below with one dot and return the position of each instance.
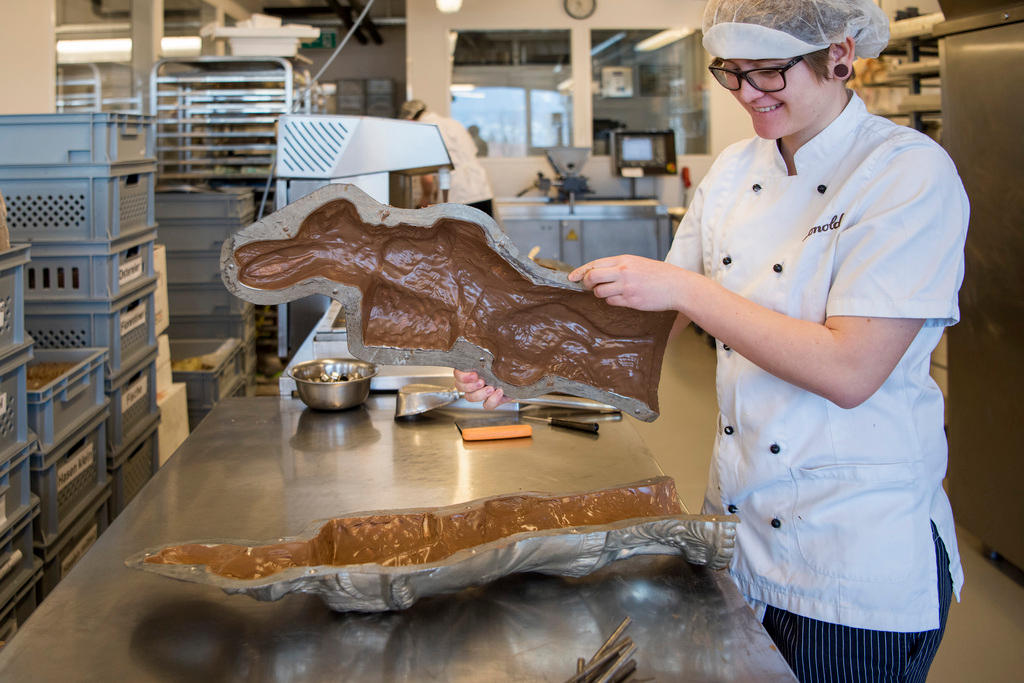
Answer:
(821, 652)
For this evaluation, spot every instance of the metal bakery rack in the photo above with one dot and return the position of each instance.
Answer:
(95, 87)
(215, 116)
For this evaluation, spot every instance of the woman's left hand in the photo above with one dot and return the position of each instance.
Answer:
(476, 390)
(632, 281)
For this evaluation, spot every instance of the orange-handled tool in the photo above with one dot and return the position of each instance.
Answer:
(493, 428)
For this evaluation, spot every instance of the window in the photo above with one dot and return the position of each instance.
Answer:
(511, 89)
(649, 80)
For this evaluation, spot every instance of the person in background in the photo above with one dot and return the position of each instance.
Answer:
(482, 148)
(469, 179)
(825, 256)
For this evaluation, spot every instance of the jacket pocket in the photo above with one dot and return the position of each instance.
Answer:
(858, 521)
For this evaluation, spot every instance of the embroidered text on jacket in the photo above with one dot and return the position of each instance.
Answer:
(825, 227)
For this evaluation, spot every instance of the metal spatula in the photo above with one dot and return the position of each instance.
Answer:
(414, 399)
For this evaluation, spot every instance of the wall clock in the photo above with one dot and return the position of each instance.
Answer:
(579, 9)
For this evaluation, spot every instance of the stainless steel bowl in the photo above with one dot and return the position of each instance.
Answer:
(333, 395)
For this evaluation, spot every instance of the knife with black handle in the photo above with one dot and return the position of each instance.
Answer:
(578, 425)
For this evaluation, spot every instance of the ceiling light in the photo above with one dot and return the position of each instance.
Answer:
(181, 46)
(120, 49)
(660, 40)
(448, 6)
(94, 50)
(605, 44)
(462, 87)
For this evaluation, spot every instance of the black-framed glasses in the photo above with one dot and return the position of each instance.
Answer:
(765, 79)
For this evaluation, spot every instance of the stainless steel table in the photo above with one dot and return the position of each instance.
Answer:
(589, 229)
(259, 468)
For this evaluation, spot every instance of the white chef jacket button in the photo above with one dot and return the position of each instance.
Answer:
(821, 189)
(777, 267)
(732, 509)
(727, 260)
(756, 188)
(725, 347)
(728, 430)
(776, 523)
(774, 448)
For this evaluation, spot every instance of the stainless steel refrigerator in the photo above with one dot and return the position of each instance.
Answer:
(981, 49)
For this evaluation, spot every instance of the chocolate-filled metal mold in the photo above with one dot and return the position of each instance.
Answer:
(446, 286)
(387, 560)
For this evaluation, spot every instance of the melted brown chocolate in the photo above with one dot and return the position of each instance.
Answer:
(431, 534)
(424, 287)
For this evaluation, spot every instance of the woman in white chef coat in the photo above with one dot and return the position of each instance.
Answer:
(470, 184)
(825, 256)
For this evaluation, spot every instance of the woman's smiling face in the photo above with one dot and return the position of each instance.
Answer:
(798, 112)
(811, 100)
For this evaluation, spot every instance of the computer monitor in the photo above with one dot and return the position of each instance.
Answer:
(638, 153)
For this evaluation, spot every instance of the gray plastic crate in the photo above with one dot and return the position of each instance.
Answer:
(132, 395)
(90, 270)
(249, 357)
(12, 297)
(15, 482)
(193, 267)
(22, 604)
(61, 555)
(198, 235)
(78, 203)
(100, 138)
(13, 411)
(205, 388)
(57, 406)
(18, 564)
(208, 298)
(126, 325)
(196, 414)
(66, 477)
(240, 325)
(133, 470)
(228, 203)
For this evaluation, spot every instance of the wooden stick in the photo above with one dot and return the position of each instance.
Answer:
(619, 664)
(591, 668)
(610, 660)
(615, 634)
(625, 672)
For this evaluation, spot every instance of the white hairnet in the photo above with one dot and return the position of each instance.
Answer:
(736, 29)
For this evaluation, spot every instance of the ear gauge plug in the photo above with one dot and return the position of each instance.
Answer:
(841, 71)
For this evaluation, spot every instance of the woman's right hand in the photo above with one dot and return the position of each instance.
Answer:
(474, 388)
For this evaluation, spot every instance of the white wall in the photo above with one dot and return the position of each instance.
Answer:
(428, 74)
(923, 6)
(28, 57)
(358, 61)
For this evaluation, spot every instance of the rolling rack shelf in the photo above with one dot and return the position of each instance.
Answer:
(911, 39)
(96, 87)
(215, 116)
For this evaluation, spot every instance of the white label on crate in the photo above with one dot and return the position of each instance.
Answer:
(75, 554)
(130, 321)
(10, 563)
(129, 270)
(3, 403)
(3, 509)
(135, 392)
(3, 313)
(75, 465)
